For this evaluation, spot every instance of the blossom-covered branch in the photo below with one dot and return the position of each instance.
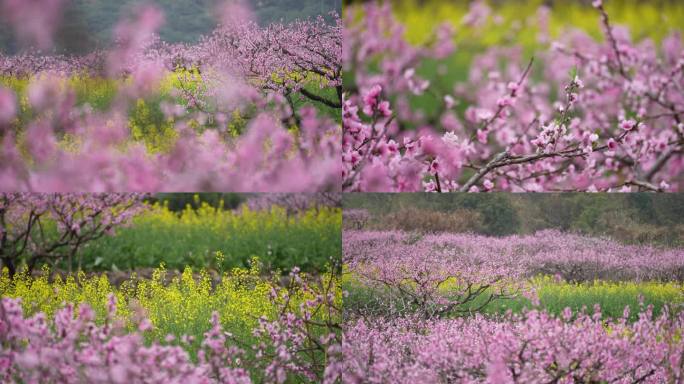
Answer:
(52, 227)
(615, 123)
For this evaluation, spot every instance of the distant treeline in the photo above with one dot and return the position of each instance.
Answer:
(87, 24)
(549, 3)
(631, 217)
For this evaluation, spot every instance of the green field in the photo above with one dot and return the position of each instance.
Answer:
(517, 21)
(554, 297)
(192, 237)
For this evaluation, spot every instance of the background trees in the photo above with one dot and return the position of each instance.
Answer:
(634, 217)
(88, 24)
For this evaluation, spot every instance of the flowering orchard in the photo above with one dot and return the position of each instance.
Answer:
(579, 115)
(451, 307)
(278, 84)
(237, 319)
(531, 348)
(571, 257)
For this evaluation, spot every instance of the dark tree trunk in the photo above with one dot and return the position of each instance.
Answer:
(11, 267)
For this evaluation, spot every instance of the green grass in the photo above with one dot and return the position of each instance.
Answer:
(192, 238)
(613, 297)
(554, 297)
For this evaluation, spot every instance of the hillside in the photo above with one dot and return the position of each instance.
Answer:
(88, 24)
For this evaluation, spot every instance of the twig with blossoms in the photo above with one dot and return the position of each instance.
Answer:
(26, 220)
(304, 341)
(661, 161)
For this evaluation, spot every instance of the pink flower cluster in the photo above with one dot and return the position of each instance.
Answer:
(531, 348)
(277, 57)
(30, 62)
(549, 252)
(422, 323)
(73, 349)
(267, 158)
(304, 341)
(584, 115)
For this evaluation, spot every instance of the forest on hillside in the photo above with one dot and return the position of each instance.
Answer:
(632, 217)
(87, 24)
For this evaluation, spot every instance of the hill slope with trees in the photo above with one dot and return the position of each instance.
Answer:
(88, 24)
